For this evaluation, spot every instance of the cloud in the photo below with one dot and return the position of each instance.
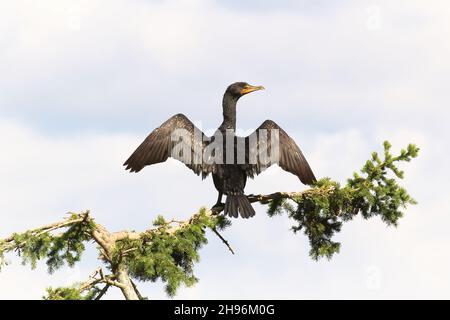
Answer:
(103, 67)
(45, 176)
(82, 84)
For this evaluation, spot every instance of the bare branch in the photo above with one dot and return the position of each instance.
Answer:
(176, 225)
(102, 292)
(136, 290)
(223, 239)
(98, 277)
(91, 282)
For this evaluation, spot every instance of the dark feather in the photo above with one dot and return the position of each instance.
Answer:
(291, 157)
(158, 145)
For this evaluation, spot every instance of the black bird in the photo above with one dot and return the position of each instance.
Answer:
(229, 178)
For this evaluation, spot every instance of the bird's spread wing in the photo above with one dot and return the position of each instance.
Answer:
(163, 142)
(289, 156)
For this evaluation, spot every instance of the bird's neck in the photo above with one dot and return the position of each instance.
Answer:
(229, 112)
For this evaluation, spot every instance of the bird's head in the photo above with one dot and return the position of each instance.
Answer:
(238, 89)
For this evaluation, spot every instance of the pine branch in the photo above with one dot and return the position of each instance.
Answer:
(73, 219)
(169, 250)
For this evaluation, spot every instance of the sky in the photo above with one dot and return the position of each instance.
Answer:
(83, 82)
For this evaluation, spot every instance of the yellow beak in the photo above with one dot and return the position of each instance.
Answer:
(250, 88)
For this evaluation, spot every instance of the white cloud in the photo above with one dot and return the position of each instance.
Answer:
(75, 77)
(127, 59)
(45, 176)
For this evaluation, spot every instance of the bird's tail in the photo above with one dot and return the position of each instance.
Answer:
(238, 204)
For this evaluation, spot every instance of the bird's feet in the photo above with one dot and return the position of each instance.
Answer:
(218, 207)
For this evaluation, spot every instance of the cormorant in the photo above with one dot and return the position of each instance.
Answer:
(229, 178)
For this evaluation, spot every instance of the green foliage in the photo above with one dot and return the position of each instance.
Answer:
(321, 211)
(221, 222)
(57, 250)
(169, 251)
(167, 255)
(70, 293)
(276, 206)
(67, 248)
(2, 254)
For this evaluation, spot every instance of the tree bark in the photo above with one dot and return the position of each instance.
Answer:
(126, 285)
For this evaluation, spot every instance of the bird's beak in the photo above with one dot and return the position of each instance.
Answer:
(250, 88)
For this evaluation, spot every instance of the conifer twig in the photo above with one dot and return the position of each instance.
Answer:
(223, 239)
